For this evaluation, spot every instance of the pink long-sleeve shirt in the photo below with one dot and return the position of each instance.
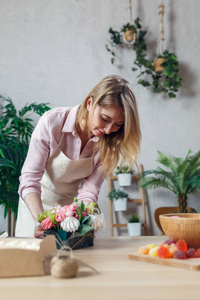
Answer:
(44, 141)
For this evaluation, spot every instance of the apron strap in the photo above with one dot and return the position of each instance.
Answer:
(61, 138)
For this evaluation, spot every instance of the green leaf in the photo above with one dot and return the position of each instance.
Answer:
(83, 229)
(7, 163)
(144, 82)
(82, 206)
(172, 95)
(85, 220)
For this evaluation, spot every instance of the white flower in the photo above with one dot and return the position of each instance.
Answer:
(70, 224)
(97, 221)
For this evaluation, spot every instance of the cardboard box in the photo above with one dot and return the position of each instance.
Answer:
(24, 256)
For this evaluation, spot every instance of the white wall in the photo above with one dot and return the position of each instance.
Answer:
(54, 51)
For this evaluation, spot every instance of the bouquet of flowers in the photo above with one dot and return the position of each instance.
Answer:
(74, 219)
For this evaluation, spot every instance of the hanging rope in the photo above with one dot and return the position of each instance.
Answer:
(129, 20)
(161, 39)
(129, 11)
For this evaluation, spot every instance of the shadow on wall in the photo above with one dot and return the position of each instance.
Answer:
(188, 82)
(188, 78)
(149, 214)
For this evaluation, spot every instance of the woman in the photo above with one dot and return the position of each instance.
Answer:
(72, 150)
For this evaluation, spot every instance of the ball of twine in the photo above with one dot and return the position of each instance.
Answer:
(64, 266)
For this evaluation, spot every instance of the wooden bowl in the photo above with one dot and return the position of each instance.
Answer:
(184, 226)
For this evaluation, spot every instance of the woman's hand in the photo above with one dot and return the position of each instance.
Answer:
(39, 231)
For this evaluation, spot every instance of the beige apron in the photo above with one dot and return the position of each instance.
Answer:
(59, 185)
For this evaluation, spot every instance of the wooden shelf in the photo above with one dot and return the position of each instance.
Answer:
(140, 200)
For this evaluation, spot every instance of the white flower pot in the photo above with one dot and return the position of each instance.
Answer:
(134, 229)
(120, 204)
(124, 179)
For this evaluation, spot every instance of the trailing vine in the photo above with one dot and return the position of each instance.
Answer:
(167, 81)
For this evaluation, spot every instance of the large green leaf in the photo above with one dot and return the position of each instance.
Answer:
(182, 176)
(83, 229)
(15, 132)
(6, 163)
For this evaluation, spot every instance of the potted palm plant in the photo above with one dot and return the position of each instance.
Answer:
(182, 176)
(124, 175)
(15, 131)
(120, 199)
(134, 225)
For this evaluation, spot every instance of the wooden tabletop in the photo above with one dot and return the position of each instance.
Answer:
(118, 277)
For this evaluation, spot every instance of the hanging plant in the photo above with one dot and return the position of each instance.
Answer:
(164, 74)
(129, 32)
(127, 35)
(165, 69)
(163, 80)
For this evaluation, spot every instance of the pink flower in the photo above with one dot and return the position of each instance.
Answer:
(46, 223)
(65, 208)
(61, 215)
(76, 216)
(84, 214)
(73, 207)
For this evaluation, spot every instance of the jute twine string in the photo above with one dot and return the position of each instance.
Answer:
(65, 264)
(161, 39)
(89, 234)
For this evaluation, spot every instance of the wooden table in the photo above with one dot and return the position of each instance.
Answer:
(119, 278)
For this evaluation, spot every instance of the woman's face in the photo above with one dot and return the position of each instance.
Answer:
(105, 119)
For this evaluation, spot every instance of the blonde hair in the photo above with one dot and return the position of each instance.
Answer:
(126, 141)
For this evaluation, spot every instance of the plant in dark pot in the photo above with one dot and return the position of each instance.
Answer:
(120, 199)
(15, 130)
(134, 225)
(181, 176)
(72, 225)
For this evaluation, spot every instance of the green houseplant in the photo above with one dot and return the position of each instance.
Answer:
(120, 199)
(134, 225)
(124, 175)
(129, 31)
(182, 176)
(164, 76)
(133, 218)
(166, 81)
(15, 131)
(118, 38)
(124, 170)
(127, 27)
